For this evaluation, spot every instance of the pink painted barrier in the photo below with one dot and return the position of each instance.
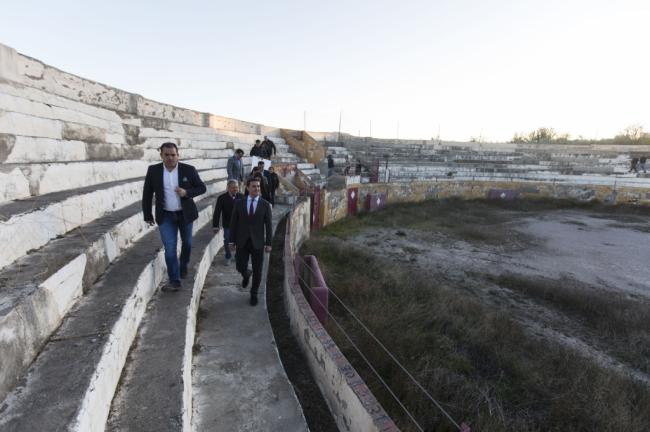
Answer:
(318, 291)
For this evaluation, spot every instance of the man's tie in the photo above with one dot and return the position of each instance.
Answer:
(251, 211)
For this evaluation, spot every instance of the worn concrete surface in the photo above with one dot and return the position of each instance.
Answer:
(239, 383)
(71, 383)
(44, 218)
(151, 392)
(31, 308)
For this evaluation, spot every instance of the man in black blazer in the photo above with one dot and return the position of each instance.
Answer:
(174, 184)
(225, 204)
(251, 234)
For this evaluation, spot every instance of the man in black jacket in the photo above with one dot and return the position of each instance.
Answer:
(174, 184)
(251, 233)
(224, 206)
(269, 145)
(259, 151)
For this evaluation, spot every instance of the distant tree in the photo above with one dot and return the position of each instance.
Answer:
(634, 133)
(542, 135)
(519, 138)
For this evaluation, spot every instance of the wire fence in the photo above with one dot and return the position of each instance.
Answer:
(315, 273)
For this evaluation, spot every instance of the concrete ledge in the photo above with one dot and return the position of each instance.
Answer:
(349, 399)
(29, 316)
(23, 232)
(85, 406)
(96, 404)
(158, 371)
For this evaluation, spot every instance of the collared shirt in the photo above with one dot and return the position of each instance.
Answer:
(248, 203)
(170, 183)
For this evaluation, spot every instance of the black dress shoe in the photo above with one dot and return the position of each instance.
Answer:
(244, 281)
(183, 273)
(253, 301)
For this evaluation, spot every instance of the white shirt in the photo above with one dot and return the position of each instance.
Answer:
(170, 183)
(248, 204)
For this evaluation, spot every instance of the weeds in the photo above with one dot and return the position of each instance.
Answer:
(623, 322)
(476, 360)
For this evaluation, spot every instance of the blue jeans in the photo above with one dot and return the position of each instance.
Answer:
(171, 225)
(226, 237)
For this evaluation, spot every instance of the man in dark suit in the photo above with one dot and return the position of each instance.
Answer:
(224, 206)
(251, 233)
(174, 184)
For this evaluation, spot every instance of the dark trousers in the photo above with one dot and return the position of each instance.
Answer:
(241, 260)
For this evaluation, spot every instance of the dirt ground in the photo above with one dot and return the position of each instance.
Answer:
(582, 249)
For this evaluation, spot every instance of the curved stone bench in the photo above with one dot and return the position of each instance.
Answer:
(81, 364)
(40, 288)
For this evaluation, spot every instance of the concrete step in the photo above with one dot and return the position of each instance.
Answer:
(38, 289)
(155, 390)
(239, 383)
(81, 364)
(31, 223)
(305, 165)
(23, 180)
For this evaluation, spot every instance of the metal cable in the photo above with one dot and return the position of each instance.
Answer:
(415, 381)
(365, 359)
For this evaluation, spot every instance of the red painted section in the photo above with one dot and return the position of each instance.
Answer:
(318, 299)
(375, 201)
(353, 196)
(318, 291)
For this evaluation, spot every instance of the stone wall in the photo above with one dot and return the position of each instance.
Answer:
(352, 404)
(334, 203)
(59, 131)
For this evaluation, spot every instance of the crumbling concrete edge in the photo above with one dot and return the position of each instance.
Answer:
(190, 326)
(96, 404)
(352, 404)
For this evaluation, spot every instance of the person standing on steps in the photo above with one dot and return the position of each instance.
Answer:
(274, 183)
(330, 165)
(174, 184)
(269, 146)
(251, 234)
(235, 166)
(225, 204)
(258, 150)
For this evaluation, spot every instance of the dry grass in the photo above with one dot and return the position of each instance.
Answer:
(621, 321)
(475, 358)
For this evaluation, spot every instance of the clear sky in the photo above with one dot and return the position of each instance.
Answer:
(466, 68)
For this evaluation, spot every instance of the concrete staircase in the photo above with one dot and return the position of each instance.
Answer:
(421, 160)
(80, 271)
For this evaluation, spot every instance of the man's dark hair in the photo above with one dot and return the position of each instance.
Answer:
(260, 162)
(239, 151)
(168, 145)
(257, 142)
(252, 179)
